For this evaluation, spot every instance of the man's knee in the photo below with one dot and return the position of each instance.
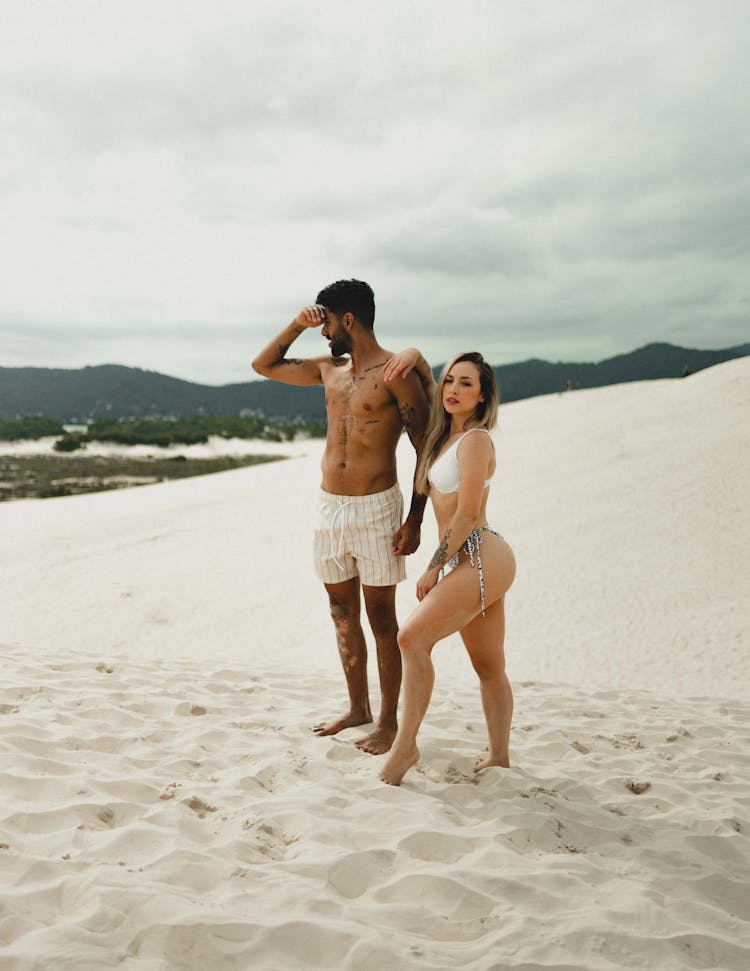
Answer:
(343, 612)
(344, 608)
(381, 614)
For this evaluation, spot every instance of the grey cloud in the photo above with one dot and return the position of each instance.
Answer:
(453, 242)
(555, 175)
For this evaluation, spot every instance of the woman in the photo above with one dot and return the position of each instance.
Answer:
(456, 466)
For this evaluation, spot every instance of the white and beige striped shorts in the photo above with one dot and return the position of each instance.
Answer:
(354, 537)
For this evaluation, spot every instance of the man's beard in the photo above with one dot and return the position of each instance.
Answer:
(340, 346)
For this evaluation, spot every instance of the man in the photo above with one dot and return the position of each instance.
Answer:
(359, 537)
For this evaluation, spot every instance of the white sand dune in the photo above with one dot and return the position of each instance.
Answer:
(163, 803)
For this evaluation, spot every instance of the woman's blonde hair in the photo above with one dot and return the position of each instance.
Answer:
(439, 425)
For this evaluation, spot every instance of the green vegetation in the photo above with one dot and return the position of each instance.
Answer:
(69, 443)
(46, 476)
(29, 428)
(162, 432)
(196, 430)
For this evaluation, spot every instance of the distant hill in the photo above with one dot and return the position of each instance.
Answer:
(534, 377)
(113, 391)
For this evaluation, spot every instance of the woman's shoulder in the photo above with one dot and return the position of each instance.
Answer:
(477, 442)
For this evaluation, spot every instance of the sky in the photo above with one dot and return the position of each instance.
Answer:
(563, 179)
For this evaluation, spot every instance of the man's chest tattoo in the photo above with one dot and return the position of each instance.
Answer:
(343, 430)
(356, 403)
(349, 388)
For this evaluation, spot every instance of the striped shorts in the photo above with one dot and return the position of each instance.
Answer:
(354, 537)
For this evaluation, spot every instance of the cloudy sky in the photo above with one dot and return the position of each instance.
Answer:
(566, 179)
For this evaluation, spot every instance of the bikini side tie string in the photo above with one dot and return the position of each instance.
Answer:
(471, 545)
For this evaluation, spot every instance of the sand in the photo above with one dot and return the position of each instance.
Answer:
(164, 804)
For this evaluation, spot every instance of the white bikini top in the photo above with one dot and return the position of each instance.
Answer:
(444, 473)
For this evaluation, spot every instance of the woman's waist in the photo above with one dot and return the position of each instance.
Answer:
(479, 532)
(446, 522)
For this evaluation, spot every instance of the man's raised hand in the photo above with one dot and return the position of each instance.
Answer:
(313, 316)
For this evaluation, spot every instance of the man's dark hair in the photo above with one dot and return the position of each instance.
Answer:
(350, 296)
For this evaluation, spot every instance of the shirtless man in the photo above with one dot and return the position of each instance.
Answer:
(359, 537)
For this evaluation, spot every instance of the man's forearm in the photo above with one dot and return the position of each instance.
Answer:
(275, 352)
(416, 507)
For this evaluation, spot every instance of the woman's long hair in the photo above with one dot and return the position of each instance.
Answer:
(439, 425)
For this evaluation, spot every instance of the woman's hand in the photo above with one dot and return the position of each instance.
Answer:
(427, 581)
(400, 364)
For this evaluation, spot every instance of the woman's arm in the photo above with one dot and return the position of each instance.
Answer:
(406, 361)
(474, 459)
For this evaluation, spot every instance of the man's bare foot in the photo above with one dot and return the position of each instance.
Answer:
(486, 763)
(349, 720)
(377, 742)
(397, 765)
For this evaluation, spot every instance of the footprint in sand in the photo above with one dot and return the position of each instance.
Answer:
(200, 807)
(170, 791)
(271, 840)
(436, 847)
(185, 708)
(358, 872)
(454, 775)
(630, 742)
(539, 791)
(580, 747)
(106, 815)
(266, 779)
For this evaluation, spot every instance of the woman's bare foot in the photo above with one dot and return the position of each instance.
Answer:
(397, 765)
(350, 720)
(378, 741)
(486, 763)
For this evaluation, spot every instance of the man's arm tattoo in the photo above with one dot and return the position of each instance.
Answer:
(441, 553)
(408, 417)
(283, 348)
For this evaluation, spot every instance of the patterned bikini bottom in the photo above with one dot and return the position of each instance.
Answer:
(471, 546)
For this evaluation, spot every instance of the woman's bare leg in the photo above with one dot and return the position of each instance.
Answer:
(484, 638)
(418, 680)
(454, 605)
(447, 607)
